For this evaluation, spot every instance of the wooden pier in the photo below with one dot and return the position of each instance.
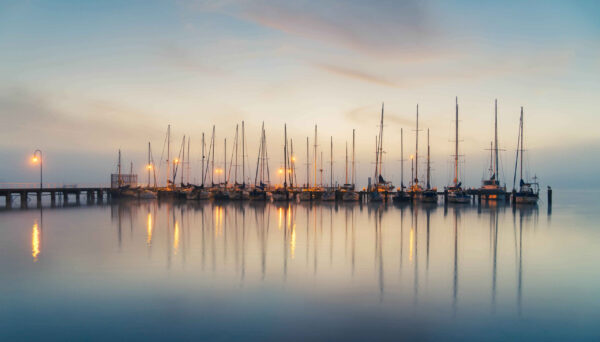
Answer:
(57, 193)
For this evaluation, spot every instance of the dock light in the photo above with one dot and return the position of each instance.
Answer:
(37, 156)
(175, 161)
(412, 157)
(218, 170)
(280, 171)
(149, 166)
(293, 159)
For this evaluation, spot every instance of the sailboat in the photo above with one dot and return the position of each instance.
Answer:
(282, 193)
(221, 192)
(149, 193)
(261, 178)
(401, 195)
(416, 189)
(528, 193)
(306, 193)
(429, 194)
(380, 187)
(329, 194)
(456, 194)
(348, 190)
(490, 188)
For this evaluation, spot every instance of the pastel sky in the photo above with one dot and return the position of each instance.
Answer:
(81, 79)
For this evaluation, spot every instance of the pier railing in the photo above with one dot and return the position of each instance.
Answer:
(17, 186)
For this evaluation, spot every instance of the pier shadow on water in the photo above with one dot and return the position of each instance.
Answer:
(296, 271)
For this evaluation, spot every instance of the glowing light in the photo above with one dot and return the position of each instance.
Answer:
(175, 161)
(280, 210)
(35, 242)
(149, 230)
(176, 238)
(280, 171)
(149, 166)
(34, 159)
(218, 221)
(412, 157)
(218, 170)
(293, 242)
(293, 159)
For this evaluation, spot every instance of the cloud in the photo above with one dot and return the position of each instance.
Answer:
(386, 28)
(362, 113)
(68, 122)
(356, 74)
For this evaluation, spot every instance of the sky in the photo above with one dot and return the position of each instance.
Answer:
(81, 80)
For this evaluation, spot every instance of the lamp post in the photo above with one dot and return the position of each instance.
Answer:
(35, 159)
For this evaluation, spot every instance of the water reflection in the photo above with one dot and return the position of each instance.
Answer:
(236, 238)
(304, 267)
(35, 241)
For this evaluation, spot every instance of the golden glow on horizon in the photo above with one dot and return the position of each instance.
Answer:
(176, 238)
(149, 230)
(35, 242)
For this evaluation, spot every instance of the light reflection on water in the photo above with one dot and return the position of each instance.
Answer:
(326, 271)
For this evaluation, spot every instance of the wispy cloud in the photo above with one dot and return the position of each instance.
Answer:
(356, 74)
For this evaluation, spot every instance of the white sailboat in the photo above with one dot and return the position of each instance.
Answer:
(456, 194)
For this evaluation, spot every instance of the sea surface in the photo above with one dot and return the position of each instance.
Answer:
(131, 270)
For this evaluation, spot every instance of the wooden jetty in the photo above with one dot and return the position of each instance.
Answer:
(92, 193)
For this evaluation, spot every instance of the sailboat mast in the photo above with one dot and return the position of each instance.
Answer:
(236, 156)
(243, 155)
(292, 160)
(285, 168)
(307, 166)
(225, 161)
(202, 158)
(212, 144)
(401, 159)
(331, 163)
(381, 142)
(496, 139)
(149, 165)
(428, 162)
(168, 152)
(119, 181)
(416, 180)
(315, 156)
(182, 159)
(376, 159)
(456, 148)
(346, 181)
(353, 167)
(188, 161)
(521, 143)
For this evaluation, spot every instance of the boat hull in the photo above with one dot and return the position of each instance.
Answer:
(350, 196)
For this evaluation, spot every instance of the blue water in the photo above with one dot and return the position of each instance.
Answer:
(246, 271)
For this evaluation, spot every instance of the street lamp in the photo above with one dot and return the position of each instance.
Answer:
(35, 159)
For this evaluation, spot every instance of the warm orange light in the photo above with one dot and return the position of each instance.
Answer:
(412, 157)
(218, 170)
(149, 166)
(175, 161)
(280, 171)
(34, 159)
(293, 159)
(35, 242)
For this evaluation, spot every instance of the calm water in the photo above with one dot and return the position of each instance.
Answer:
(234, 271)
